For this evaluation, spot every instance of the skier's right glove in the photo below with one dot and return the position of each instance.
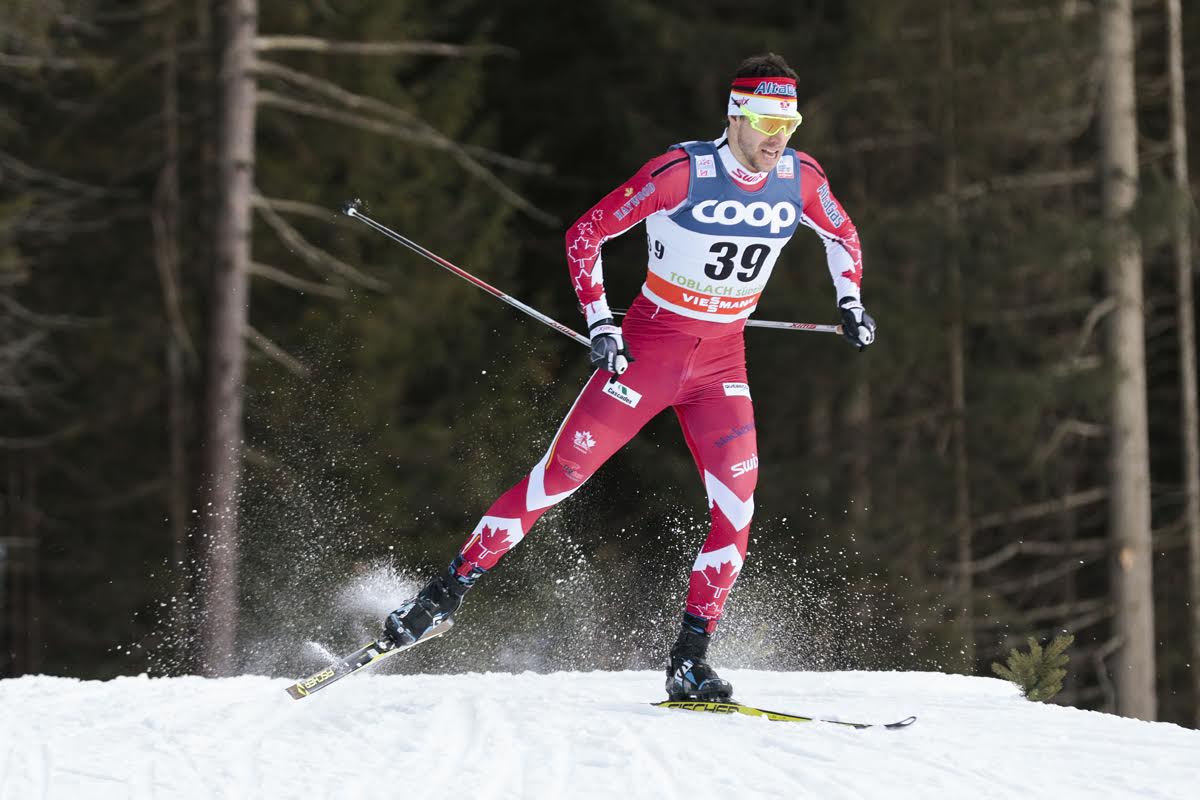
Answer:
(857, 325)
(609, 351)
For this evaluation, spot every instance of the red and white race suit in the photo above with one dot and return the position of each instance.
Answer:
(714, 232)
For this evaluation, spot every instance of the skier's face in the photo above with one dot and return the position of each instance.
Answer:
(756, 151)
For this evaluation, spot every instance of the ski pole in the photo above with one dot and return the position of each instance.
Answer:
(766, 323)
(354, 209)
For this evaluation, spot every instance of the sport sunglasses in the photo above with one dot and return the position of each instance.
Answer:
(772, 125)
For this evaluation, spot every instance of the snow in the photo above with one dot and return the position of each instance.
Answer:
(579, 735)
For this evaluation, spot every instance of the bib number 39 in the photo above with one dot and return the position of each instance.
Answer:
(751, 261)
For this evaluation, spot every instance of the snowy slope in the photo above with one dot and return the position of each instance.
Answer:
(571, 735)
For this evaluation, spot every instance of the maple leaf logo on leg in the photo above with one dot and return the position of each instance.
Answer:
(720, 579)
(493, 538)
(710, 610)
(720, 569)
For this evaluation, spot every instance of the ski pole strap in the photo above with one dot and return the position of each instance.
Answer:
(353, 210)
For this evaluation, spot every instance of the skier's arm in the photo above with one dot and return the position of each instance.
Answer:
(824, 214)
(660, 185)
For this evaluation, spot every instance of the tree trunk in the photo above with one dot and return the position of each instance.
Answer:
(1190, 426)
(166, 222)
(1133, 661)
(957, 349)
(223, 401)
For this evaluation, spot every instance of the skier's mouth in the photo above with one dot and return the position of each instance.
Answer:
(769, 154)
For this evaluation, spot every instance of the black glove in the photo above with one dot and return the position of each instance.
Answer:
(857, 325)
(609, 351)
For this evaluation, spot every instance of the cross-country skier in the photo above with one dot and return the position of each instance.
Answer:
(717, 215)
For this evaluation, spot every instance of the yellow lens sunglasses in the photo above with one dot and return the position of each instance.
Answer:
(772, 125)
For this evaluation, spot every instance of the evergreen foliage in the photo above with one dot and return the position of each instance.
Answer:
(1039, 672)
(405, 409)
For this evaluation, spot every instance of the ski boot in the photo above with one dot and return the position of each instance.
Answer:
(689, 676)
(433, 605)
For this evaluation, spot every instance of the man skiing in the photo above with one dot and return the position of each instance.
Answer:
(717, 215)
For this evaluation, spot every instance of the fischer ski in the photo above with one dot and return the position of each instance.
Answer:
(739, 708)
(361, 658)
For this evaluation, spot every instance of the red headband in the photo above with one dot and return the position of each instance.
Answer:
(781, 86)
(771, 96)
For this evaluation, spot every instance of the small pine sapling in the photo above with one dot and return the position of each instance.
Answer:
(1039, 673)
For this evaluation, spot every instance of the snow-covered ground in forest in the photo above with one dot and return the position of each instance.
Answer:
(576, 735)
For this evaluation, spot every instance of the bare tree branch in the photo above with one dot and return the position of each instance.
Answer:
(32, 175)
(1034, 311)
(1032, 180)
(276, 353)
(1036, 510)
(33, 442)
(437, 142)
(166, 263)
(312, 44)
(1063, 609)
(19, 348)
(18, 311)
(1026, 583)
(1093, 319)
(1023, 548)
(14, 61)
(310, 210)
(315, 256)
(1068, 427)
(292, 282)
(359, 102)
(1076, 365)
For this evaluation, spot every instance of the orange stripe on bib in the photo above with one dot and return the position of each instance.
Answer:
(694, 300)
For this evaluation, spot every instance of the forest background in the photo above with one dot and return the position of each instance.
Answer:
(211, 455)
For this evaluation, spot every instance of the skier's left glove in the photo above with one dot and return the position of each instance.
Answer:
(609, 351)
(857, 325)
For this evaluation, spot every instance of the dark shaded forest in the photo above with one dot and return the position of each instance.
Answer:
(210, 377)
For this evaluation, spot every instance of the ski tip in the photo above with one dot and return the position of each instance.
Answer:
(297, 692)
(904, 723)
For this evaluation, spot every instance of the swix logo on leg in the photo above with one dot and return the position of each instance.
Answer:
(742, 467)
(493, 536)
(758, 214)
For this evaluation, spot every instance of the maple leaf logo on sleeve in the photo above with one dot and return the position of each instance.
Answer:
(584, 254)
(854, 249)
(855, 275)
(583, 250)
